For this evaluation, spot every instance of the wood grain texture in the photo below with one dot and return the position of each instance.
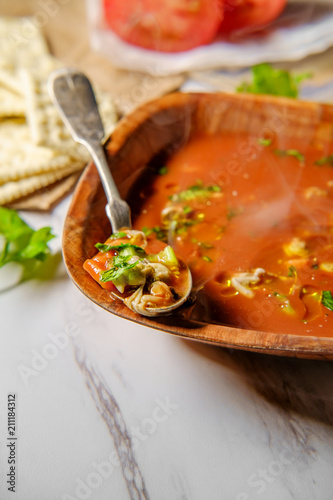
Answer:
(162, 126)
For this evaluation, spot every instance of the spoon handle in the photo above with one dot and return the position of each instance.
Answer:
(73, 95)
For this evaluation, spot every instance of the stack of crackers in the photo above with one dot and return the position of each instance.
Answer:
(39, 161)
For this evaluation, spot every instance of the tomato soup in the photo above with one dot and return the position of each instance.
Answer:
(253, 218)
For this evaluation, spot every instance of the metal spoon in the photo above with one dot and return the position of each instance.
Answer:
(72, 94)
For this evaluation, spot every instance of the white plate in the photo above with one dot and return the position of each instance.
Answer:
(301, 30)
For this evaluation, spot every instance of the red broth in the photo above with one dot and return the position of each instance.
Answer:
(262, 204)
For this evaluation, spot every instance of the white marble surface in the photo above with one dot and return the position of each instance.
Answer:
(107, 409)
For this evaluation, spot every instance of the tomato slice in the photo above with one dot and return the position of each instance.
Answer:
(249, 15)
(168, 25)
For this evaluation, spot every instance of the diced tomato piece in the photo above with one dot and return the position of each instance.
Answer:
(249, 15)
(168, 25)
(94, 267)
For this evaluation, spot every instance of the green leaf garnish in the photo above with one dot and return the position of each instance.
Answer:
(120, 265)
(290, 152)
(206, 246)
(292, 272)
(163, 170)
(326, 160)
(327, 299)
(195, 192)
(118, 236)
(206, 258)
(102, 247)
(12, 227)
(21, 243)
(264, 142)
(160, 233)
(37, 247)
(267, 80)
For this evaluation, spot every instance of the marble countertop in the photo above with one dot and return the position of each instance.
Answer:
(106, 408)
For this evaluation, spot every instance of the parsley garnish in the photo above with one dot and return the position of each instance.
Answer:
(264, 142)
(120, 265)
(102, 247)
(290, 152)
(21, 243)
(161, 233)
(326, 160)
(327, 299)
(163, 170)
(194, 192)
(118, 236)
(292, 273)
(267, 80)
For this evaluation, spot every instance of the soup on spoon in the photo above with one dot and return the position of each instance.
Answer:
(146, 275)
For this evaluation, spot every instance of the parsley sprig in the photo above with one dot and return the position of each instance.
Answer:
(103, 247)
(195, 192)
(21, 244)
(120, 266)
(325, 161)
(327, 299)
(290, 152)
(267, 80)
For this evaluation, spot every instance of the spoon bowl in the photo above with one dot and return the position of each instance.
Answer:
(73, 95)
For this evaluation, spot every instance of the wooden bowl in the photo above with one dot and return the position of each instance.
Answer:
(161, 127)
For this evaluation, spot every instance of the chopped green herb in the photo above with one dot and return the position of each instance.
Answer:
(206, 258)
(292, 273)
(21, 243)
(146, 230)
(232, 212)
(325, 161)
(315, 266)
(290, 152)
(163, 170)
(187, 210)
(194, 192)
(206, 246)
(160, 233)
(264, 142)
(118, 236)
(102, 247)
(327, 299)
(267, 80)
(120, 266)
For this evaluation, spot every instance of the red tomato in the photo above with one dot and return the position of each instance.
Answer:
(164, 25)
(248, 15)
